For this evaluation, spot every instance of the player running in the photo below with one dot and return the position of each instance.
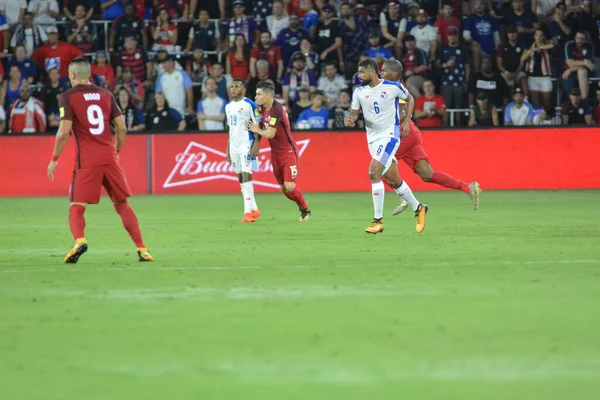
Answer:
(240, 111)
(88, 111)
(411, 151)
(284, 153)
(378, 100)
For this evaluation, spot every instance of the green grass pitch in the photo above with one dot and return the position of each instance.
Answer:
(502, 303)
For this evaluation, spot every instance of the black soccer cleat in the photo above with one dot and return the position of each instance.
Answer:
(304, 215)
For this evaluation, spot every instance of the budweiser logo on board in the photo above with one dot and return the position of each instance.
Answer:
(200, 163)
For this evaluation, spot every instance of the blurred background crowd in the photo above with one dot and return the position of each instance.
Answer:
(170, 62)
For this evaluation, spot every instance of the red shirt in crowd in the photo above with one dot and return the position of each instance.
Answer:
(105, 74)
(443, 26)
(57, 56)
(271, 54)
(423, 103)
(240, 68)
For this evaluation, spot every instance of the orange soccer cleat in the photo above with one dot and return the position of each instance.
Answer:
(420, 217)
(375, 227)
(255, 213)
(248, 218)
(76, 252)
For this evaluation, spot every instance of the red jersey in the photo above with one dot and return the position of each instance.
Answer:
(423, 103)
(443, 26)
(58, 56)
(277, 117)
(271, 54)
(92, 110)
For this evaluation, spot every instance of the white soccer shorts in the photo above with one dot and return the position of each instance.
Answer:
(241, 162)
(384, 151)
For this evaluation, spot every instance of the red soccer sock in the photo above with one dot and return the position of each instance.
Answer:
(130, 223)
(296, 196)
(77, 221)
(446, 180)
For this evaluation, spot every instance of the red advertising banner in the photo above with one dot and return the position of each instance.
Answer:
(561, 158)
(24, 161)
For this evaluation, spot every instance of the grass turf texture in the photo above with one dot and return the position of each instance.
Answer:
(501, 303)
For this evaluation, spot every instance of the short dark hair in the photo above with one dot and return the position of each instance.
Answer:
(266, 31)
(28, 13)
(266, 87)
(369, 63)
(317, 93)
(328, 63)
(240, 81)
(410, 38)
(395, 66)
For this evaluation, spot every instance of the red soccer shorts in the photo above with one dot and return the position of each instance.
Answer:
(411, 149)
(87, 183)
(285, 167)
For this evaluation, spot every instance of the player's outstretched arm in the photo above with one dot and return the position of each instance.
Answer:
(62, 137)
(269, 133)
(121, 129)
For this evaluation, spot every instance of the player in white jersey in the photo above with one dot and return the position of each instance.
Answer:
(378, 99)
(241, 111)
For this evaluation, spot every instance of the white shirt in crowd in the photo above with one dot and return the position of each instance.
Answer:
(41, 8)
(277, 25)
(29, 43)
(212, 107)
(12, 9)
(174, 88)
(332, 88)
(424, 36)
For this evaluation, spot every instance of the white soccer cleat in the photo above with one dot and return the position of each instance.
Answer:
(400, 207)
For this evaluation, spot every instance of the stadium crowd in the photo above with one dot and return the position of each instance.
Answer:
(170, 62)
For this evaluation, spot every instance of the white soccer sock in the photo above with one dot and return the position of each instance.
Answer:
(248, 193)
(378, 192)
(405, 193)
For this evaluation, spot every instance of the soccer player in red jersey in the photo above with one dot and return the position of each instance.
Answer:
(284, 153)
(88, 111)
(411, 151)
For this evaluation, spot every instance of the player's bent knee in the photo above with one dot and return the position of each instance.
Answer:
(78, 204)
(245, 177)
(288, 187)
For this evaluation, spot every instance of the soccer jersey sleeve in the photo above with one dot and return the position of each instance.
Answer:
(254, 111)
(402, 93)
(64, 107)
(355, 105)
(115, 110)
(276, 116)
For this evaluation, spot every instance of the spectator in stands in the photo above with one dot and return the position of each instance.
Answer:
(49, 97)
(518, 112)
(56, 54)
(580, 15)
(596, 109)
(102, 72)
(481, 34)
(11, 87)
(211, 109)
(538, 67)
(223, 81)
(310, 20)
(176, 86)
(329, 39)
(355, 37)
(44, 12)
(137, 59)
(204, 35)
(262, 74)
(340, 111)
(240, 23)
(162, 117)
(576, 111)
(29, 35)
(81, 33)
(296, 78)
(159, 57)
(113, 9)
(279, 20)
(198, 67)
(302, 104)
(237, 63)
(316, 115)
(380, 54)
(69, 7)
(13, 10)
(27, 114)
(25, 64)
(134, 118)
(415, 66)
(289, 38)
(425, 34)
(524, 19)
(559, 30)
(389, 23)
(430, 109)
(132, 85)
(178, 9)
(483, 114)
(311, 59)
(164, 33)
(445, 23)
(453, 59)
(331, 84)
(4, 37)
(579, 64)
(267, 50)
(546, 117)
(491, 83)
(544, 10)
(406, 24)
(508, 59)
(261, 9)
(127, 25)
